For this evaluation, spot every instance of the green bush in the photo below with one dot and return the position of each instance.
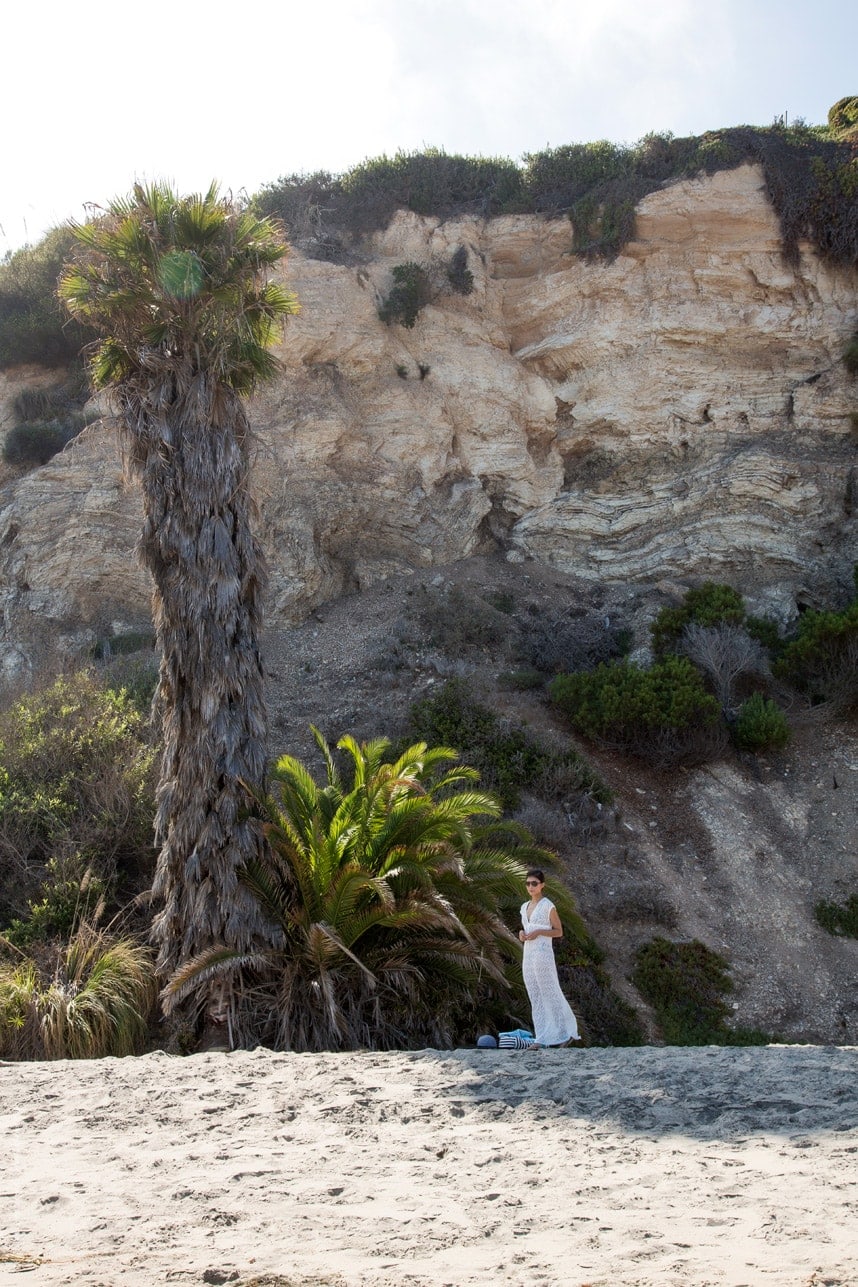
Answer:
(663, 713)
(558, 177)
(36, 442)
(430, 182)
(508, 759)
(761, 725)
(604, 222)
(76, 785)
(306, 204)
(686, 983)
(33, 328)
(707, 605)
(767, 633)
(410, 291)
(525, 680)
(459, 274)
(850, 355)
(843, 118)
(69, 895)
(839, 918)
(810, 175)
(822, 660)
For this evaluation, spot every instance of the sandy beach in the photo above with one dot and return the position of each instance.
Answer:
(600, 1167)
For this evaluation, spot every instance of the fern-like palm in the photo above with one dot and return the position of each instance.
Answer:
(391, 892)
(178, 290)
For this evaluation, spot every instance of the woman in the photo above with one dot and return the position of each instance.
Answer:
(554, 1024)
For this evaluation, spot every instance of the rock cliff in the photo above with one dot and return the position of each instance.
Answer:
(681, 412)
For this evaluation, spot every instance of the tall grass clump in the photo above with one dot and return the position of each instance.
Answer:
(88, 999)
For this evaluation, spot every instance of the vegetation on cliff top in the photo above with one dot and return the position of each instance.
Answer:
(811, 176)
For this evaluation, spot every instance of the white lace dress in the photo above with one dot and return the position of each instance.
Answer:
(553, 1020)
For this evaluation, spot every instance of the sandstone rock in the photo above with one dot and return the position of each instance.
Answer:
(680, 413)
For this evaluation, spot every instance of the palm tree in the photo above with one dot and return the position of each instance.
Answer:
(178, 290)
(392, 893)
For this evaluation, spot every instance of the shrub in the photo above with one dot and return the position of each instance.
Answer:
(68, 896)
(459, 274)
(663, 713)
(568, 639)
(761, 725)
(557, 177)
(409, 293)
(36, 442)
(525, 680)
(306, 204)
(686, 984)
(839, 918)
(725, 654)
(429, 182)
(76, 785)
(323, 212)
(53, 403)
(604, 1018)
(91, 1000)
(767, 633)
(707, 605)
(508, 759)
(850, 355)
(33, 327)
(843, 118)
(810, 173)
(458, 621)
(822, 660)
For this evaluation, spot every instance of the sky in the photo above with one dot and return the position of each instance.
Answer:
(95, 96)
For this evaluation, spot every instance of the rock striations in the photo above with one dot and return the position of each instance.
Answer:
(681, 412)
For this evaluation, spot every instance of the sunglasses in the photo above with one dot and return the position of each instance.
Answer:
(532, 882)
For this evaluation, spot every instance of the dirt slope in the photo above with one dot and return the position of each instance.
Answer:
(735, 853)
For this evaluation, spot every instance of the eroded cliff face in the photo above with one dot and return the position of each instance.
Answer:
(680, 413)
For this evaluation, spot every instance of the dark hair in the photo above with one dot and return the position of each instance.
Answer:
(538, 873)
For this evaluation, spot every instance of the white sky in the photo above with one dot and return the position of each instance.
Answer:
(93, 96)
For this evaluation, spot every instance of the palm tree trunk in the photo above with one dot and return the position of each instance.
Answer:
(188, 440)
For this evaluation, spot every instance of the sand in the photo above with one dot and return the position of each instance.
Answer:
(600, 1167)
